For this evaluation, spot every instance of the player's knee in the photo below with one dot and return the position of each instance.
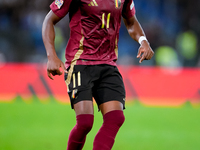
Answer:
(87, 126)
(85, 122)
(115, 117)
(120, 119)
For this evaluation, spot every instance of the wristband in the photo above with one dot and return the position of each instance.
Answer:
(142, 38)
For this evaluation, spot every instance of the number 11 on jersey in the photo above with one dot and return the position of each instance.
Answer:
(103, 21)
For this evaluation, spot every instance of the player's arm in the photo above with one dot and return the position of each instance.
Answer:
(48, 34)
(136, 32)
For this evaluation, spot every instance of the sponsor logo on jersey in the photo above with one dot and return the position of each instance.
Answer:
(132, 5)
(59, 3)
(118, 3)
(93, 3)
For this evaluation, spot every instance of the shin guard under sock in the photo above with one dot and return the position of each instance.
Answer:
(105, 137)
(78, 134)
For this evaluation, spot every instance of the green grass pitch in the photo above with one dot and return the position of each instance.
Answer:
(46, 126)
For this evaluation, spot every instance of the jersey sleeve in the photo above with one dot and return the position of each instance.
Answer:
(60, 7)
(128, 10)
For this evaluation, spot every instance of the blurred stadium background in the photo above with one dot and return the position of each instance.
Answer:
(163, 94)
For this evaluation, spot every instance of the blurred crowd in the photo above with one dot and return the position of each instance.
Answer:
(171, 26)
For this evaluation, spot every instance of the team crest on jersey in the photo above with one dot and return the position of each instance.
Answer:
(117, 3)
(59, 3)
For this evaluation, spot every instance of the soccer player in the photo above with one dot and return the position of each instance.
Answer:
(90, 67)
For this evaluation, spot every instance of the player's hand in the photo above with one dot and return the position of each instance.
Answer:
(145, 52)
(53, 67)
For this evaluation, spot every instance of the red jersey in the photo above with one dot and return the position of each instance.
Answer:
(94, 29)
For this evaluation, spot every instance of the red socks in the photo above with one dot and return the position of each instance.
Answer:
(78, 134)
(105, 137)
